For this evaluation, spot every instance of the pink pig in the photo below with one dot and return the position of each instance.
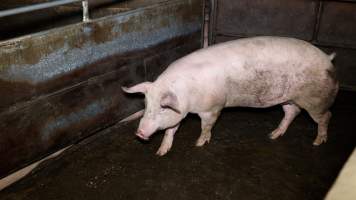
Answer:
(254, 72)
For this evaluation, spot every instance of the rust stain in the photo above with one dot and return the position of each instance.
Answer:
(164, 22)
(77, 41)
(133, 24)
(31, 50)
(102, 32)
(30, 57)
(192, 12)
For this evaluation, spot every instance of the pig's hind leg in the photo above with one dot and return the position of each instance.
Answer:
(167, 141)
(208, 120)
(318, 109)
(290, 112)
(322, 118)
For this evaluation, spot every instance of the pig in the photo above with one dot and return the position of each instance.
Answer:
(256, 72)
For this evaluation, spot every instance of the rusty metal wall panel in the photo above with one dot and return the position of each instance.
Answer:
(66, 116)
(295, 18)
(64, 84)
(45, 19)
(338, 24)
(34, 60)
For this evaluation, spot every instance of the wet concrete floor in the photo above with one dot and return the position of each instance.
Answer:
(239, 163)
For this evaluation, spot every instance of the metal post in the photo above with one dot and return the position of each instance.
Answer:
(85, 11)
(206, 23)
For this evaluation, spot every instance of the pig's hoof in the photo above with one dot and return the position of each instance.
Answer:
(202, 140)
(162, 151)
(320, 140)
(275, 134)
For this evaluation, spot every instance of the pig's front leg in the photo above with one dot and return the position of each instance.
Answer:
(208, 120)
(167, 141)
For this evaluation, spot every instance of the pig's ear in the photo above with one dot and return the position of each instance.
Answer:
(170, 100)
(141, 87)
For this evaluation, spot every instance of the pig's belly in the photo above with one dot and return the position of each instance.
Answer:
(250, 100)
(257, 95)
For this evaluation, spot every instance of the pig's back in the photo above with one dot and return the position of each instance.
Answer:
(254, 72)
(265, 52)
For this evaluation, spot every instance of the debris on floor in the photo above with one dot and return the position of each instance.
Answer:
(240, 162)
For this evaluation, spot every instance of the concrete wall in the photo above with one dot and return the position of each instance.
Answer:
(62, 85)
(328, 24)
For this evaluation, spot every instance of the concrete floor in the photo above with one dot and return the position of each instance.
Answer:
(239, 163)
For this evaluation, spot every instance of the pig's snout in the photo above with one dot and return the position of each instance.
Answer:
(141, 135)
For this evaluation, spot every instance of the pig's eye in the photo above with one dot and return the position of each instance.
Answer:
(164, 109)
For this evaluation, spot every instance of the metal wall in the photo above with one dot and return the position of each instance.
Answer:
(62, 85)
(59, 16)
(329, 24)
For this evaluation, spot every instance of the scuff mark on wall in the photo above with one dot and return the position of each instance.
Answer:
(77, 116)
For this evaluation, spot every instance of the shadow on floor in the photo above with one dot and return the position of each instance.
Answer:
(239, 163)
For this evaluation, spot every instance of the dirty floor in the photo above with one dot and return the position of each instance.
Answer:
(239, 163)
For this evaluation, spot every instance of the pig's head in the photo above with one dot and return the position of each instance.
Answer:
(162, 109)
